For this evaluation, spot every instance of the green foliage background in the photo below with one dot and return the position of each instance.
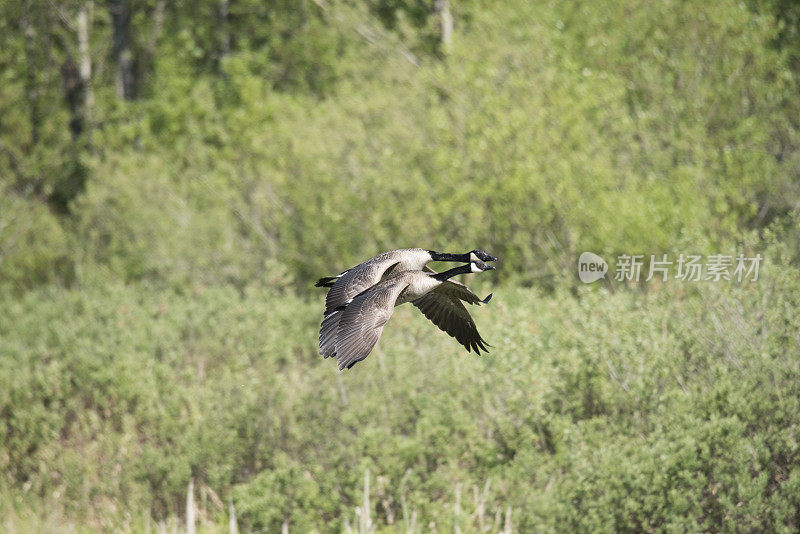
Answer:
(157, 324)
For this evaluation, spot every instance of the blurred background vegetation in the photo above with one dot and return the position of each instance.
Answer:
(174, 175)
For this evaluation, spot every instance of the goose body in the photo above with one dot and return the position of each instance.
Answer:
(353, 281)
(351, 330)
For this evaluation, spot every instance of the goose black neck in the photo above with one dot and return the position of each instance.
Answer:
(444, 256)
(462, 269)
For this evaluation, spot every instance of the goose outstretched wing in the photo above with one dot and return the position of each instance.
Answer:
(444, 308)
(362, 321)
(353, 281)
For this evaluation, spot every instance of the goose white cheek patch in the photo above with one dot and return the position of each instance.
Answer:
(475, 268)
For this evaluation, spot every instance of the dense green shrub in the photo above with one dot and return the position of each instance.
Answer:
(33, 245)
(156, 323)
(676, 409)
(548, 129)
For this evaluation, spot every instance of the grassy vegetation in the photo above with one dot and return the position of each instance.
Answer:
(674, 409)
(568, 126)
(158, 246)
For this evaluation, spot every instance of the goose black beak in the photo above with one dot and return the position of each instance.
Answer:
(489, 267)
(482, 255)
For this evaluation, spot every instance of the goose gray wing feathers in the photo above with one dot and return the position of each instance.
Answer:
(346, 287)
(357, 279)
(327, 333)
(362, 321)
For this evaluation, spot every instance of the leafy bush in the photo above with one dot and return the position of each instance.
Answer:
(157, 326)
(548, 129)
(33, 245)
(603, 411)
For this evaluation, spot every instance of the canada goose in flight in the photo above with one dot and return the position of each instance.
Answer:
(353, 281)
(351, 330)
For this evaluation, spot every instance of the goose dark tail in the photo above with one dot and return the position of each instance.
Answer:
(325, 282)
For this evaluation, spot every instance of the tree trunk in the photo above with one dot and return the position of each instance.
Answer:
(150, 52)
(442, 10)
(74, 91)
(76, 77)
(85, 62)
(31, 83)
(123, 51)
(225, 39)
